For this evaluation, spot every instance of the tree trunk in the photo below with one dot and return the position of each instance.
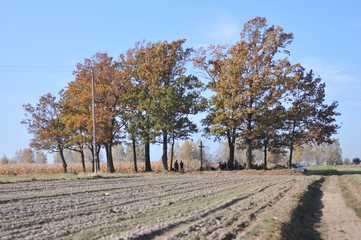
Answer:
(231, 153)
(61, 152)
(249, 154)
(165, 150)
(82, 159)
(249, 142)
(110, 165)
(290, 158)
(148, 167)
(93, 159)
(291, 145)
(265, 154)
(135, 155)
(172, 153)
(98, 157)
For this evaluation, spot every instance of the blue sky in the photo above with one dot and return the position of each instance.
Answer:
(41, 42)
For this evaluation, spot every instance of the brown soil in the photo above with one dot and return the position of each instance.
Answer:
(218, 205)
(338, 221)
(183, 206)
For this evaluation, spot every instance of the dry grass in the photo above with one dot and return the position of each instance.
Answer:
(32, 172)
(75, 168)
(351, 191)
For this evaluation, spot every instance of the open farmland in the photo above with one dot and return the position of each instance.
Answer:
(189, 206)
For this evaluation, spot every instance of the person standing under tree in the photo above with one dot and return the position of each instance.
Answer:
(176, 166)
(181, 166)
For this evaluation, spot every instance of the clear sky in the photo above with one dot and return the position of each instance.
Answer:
(41, 42)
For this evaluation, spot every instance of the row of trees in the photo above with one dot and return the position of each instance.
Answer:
(260, 99)
(308, 154)
(322, 154)
(144, 96)
(187, 150)
(27, 156)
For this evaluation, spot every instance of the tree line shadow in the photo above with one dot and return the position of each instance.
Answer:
(306, 216)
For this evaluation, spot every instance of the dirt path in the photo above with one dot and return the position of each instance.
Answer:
(338, 221)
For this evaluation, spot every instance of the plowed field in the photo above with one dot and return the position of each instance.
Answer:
(188, 206)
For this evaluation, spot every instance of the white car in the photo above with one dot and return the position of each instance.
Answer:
(298, 167)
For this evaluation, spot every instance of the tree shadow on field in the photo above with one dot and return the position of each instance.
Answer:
(306, 216)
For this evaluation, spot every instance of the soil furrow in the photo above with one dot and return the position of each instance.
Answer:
(173, 206)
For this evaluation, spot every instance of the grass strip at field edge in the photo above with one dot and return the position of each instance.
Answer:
(346, 189)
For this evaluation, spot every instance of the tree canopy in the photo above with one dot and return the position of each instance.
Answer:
(260, 100)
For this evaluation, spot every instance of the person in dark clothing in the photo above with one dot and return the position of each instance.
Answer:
(181, 164)
(176, 166)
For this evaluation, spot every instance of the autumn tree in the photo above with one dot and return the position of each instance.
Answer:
(139, 121)
(137, 66)
(77, 115)
(164, 94)
(110, 88)
(269, 128)
(133, 120)
(134, 135)
(45, 123)
(222, 120)
(308, 118)
(248, 79)
(176, 95)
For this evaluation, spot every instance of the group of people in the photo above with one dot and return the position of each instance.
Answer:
(238, 166)
(235, 166)
(179, 166)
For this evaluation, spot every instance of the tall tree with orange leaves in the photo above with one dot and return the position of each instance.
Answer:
(248, 79)
(76, 117)
(110, 88)
(45, 122)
